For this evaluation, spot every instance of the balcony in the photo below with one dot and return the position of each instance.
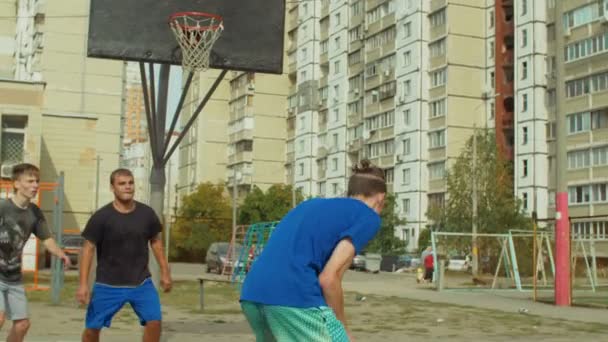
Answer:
(322, 152)
(243, 134)
(355, 145)
(240, 157)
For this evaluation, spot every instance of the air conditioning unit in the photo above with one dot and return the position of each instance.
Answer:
(604, 18)
(387, 73)
(251, 87)
(366, 135)
(401, 99)
(336, 100)
(356, 91)
(6, 170)
(290, 110)
(361, 36)
(399, 158)
(567, 32)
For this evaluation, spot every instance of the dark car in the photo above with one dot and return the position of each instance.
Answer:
(217, 256)
(358, 263)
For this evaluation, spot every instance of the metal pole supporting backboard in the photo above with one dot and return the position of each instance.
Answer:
(56, 263)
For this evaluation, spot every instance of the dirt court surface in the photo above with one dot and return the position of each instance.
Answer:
(381, 307)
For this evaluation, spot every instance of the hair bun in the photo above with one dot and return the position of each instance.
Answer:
(364, 166)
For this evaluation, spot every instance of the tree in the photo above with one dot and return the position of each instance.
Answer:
(498, 210)
(385, 242)
(269, 206)
(204, 217)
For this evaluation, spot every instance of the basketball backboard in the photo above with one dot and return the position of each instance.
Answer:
(138, 30)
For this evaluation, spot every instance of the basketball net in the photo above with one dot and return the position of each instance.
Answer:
(196, 32)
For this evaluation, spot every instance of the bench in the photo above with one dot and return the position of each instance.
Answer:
(201, 283)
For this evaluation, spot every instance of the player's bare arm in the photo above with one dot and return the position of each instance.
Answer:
(165, 274)
(86, 258)
(330, 278)
(54, 249)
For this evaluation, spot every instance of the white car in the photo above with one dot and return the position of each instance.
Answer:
(458, 264)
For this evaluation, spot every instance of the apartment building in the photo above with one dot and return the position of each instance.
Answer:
(570, 57)
(390, 81)
(60, 109)
(256, 131)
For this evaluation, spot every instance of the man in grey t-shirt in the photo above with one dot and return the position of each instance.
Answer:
(19, 218)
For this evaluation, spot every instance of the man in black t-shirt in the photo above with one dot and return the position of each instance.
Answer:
(120, 233)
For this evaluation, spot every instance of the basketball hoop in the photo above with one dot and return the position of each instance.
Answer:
(196, 32)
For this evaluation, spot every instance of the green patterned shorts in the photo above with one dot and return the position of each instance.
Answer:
(286, 324)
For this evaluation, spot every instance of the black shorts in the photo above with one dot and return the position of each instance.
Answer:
(428, 273)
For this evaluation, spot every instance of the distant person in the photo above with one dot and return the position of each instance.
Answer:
(121, 232)
(19, 218)
(293, 291)
(429, 267)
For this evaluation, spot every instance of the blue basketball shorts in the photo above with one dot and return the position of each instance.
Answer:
(107, 300)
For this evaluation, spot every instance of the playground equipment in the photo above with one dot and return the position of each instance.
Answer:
(255, 239)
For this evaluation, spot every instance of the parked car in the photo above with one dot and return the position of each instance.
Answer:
(459, 263)
(217, 256)
(358, 263)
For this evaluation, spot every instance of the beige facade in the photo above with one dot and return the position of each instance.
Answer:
(203, 156)
(581, 68)
(256, 130)
(71, 105)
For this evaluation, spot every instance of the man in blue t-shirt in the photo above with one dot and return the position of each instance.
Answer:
(293, 291)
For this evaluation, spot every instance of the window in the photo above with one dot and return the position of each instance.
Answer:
(582, 122)
(356, 8)
(407, 30)
(337, 42)
(524, 168)
(437, 48)
(524, 135)
(600, 156)
(381, 38)
(407, 88)
(336, 67)
(382, 120)
(579, 194)
(437, 108)
(579, 159)
(437, 139)
(301, 169)
(587, 47)
(599, 192)
(334, 188)
(355, 57)
(336, 115)
(301, 146)
(491, 49)
(334, 164)
(584, 14)
(406, 206)
(337, 19)
(407, 58)
(305, 9)
(13, 138)
(524, 70)
(438, 77)
(524, 200)
(335, 140)
(406, 176)
(437, 18)
(321, 187)
(389, 175)
(524, 38)
(303, 75)
(437, 170)
(303, 54)
(407, 146)
(324, 45)
(491, 19)
(407, 117)
(381, 148)
(524, 7)
(524, 102)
